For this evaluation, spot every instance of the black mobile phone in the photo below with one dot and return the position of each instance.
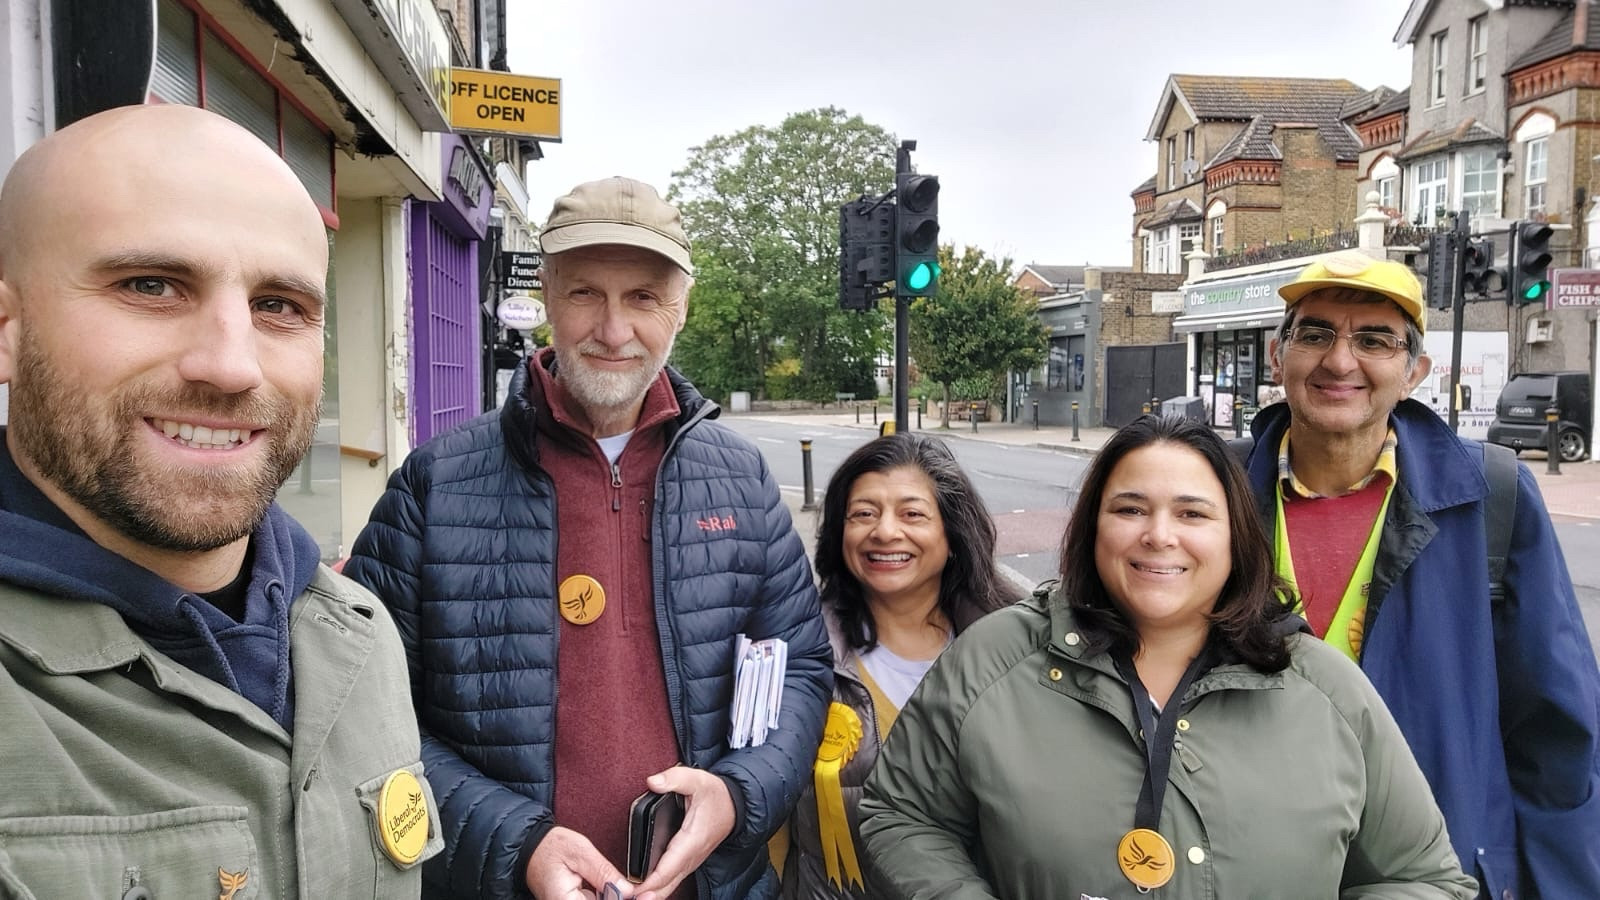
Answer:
(652, 821)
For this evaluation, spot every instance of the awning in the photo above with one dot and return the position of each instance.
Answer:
(1245, 318)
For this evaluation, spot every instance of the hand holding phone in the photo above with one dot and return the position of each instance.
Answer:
(652, 821)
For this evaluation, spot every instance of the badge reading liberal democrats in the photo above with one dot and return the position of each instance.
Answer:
(1145, 858)
(402, 817)
(582, 599)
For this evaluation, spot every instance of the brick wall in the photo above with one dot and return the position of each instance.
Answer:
(1318, 194)
(1125, 316)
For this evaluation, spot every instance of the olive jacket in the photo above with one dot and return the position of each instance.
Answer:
(1015, 769)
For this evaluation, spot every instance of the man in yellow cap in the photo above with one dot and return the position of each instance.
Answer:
(1381, 519)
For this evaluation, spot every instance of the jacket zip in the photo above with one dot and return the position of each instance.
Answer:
(666, 632)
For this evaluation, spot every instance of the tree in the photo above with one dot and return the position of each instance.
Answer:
(762, 210)
(977, 327)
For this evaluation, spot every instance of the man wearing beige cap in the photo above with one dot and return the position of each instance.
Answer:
(1430, 560)
(570, 576)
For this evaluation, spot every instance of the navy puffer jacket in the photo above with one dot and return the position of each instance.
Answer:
(462, 549)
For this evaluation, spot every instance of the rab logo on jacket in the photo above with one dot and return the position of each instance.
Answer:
(725, 523)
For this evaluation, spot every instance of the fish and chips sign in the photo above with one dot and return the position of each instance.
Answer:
(1573, 288)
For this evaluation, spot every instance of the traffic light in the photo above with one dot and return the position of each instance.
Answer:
(916, 235)
(1530, 262)
(1441, 269)
(1478, 272)
(866, 252)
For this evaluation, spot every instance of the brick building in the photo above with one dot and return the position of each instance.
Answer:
(1242, 162)
(1500, 120)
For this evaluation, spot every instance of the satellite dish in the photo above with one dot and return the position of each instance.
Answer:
(1190, 166)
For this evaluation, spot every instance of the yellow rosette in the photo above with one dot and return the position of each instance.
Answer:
(840, 740)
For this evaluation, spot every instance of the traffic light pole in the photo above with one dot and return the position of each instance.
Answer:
(1458, 314)
(902, 322)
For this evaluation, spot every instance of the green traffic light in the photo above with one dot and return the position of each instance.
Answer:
(1536, 290)
(920, 276)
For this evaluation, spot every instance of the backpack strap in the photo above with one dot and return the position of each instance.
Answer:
(1499, 513)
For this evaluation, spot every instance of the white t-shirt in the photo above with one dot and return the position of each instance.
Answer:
(613, 446)
(896, 677)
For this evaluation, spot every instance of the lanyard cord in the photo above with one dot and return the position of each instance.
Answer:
(1158, 733)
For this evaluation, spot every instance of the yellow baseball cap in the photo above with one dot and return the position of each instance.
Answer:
(1355, 269)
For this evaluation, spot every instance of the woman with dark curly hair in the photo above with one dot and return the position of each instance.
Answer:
(905, 558)
(1158, 720)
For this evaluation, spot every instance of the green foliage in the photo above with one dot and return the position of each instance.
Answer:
(762, 211)
(977, 328)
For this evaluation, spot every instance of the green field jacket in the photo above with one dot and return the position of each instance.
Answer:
(126, 775)
(1015, 770)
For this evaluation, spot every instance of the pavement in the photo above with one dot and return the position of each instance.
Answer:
(1572, 495)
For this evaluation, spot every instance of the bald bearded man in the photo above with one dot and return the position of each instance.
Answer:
(192, 704)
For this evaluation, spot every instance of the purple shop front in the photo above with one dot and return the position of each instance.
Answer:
(446, 322)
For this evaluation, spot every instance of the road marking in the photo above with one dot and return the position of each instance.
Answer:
(1019, 510)
(1023, 555)
(771, 440)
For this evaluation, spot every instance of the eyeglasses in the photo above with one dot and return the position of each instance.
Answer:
(1365, 344)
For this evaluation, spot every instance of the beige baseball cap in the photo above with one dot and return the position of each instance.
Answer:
(1355, 269)
(616, 210)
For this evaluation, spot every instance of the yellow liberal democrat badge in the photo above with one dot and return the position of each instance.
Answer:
(402, 817)
(582, 599)
(1145, 858)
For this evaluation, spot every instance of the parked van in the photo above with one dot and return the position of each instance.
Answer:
(1519, 417)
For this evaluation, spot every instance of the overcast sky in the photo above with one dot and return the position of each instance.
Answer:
(1032, 112)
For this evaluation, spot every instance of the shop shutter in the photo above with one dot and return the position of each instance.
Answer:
(236, 91)
(177, 74)
(309, 153)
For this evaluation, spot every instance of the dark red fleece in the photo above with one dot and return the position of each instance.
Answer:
(612, 725)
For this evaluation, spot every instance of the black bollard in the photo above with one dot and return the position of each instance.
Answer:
(1035, 415)
(1552, 439)
(1074, 420)
(972, 413)
(874, 413)
(805, 469)
(919, 413)
(858, 412)
(1238, 418)
(1155, 405)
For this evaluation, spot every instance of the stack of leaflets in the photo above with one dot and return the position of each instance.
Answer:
(758, 668)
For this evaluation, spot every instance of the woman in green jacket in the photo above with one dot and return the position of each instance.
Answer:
(1155, 725)
(905, 558)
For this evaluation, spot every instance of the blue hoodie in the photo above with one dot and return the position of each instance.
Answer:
(41, 549)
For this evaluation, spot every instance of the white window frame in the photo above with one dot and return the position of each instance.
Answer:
(1162, 252)
(1482, 199)
(1438, 58)
(1172, 162)
(1534, 136)
(1188, 154)
(1146, 243)
(1385, 176)
(1431, 184)
(1536, 174)
(1215, 212)
(1190, 238)
(1477, 54)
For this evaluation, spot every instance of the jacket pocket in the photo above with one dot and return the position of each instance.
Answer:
(403, 818)
(1498, 873)
(182, 853)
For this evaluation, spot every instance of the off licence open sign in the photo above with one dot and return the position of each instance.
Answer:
(520, 271)
(485, 102)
